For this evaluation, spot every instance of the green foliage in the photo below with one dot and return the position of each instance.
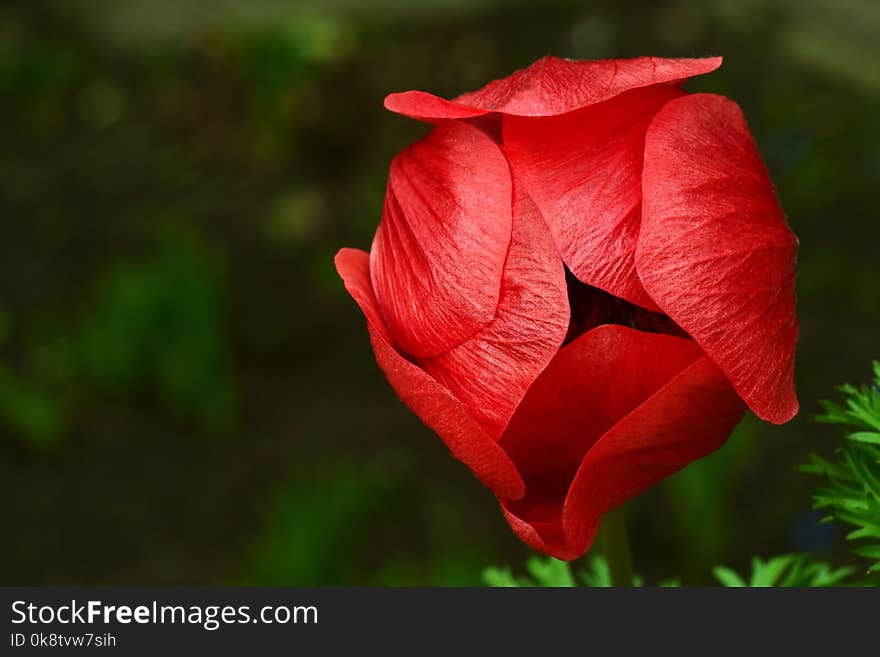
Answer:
(159, 323)
(545, 572)
(155, 326)
(784, 571)
(598, 575)
(851, 493)
(278, 58)
(861, 412)
(552, 572)
(787, 570)
(310, 525)
(31, 411)
(27, 407)
(279, 64)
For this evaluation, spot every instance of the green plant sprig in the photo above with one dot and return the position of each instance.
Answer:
(852, 492)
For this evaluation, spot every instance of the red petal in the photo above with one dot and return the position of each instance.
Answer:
(491, 371)
(715, 251)
(690, 417)
(433, 403)
(553, 86)
(613, 413)
(439, 253)
(584, 171)
(423, 106)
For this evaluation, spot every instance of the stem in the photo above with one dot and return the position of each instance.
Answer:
(615, 546)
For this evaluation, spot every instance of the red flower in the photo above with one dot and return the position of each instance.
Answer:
(581, 279)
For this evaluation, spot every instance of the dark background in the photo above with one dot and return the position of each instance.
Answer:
(187, 394)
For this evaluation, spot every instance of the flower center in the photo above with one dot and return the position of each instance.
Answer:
(592, 307)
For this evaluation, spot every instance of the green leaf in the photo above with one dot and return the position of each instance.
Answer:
(728, 577)
(769, 573)
(597, 574)
(869, 552)
(31, 411)
(500, 578)
(551, 572)
(871, 437)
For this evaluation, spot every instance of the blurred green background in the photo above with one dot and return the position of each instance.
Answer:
(187, 394)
